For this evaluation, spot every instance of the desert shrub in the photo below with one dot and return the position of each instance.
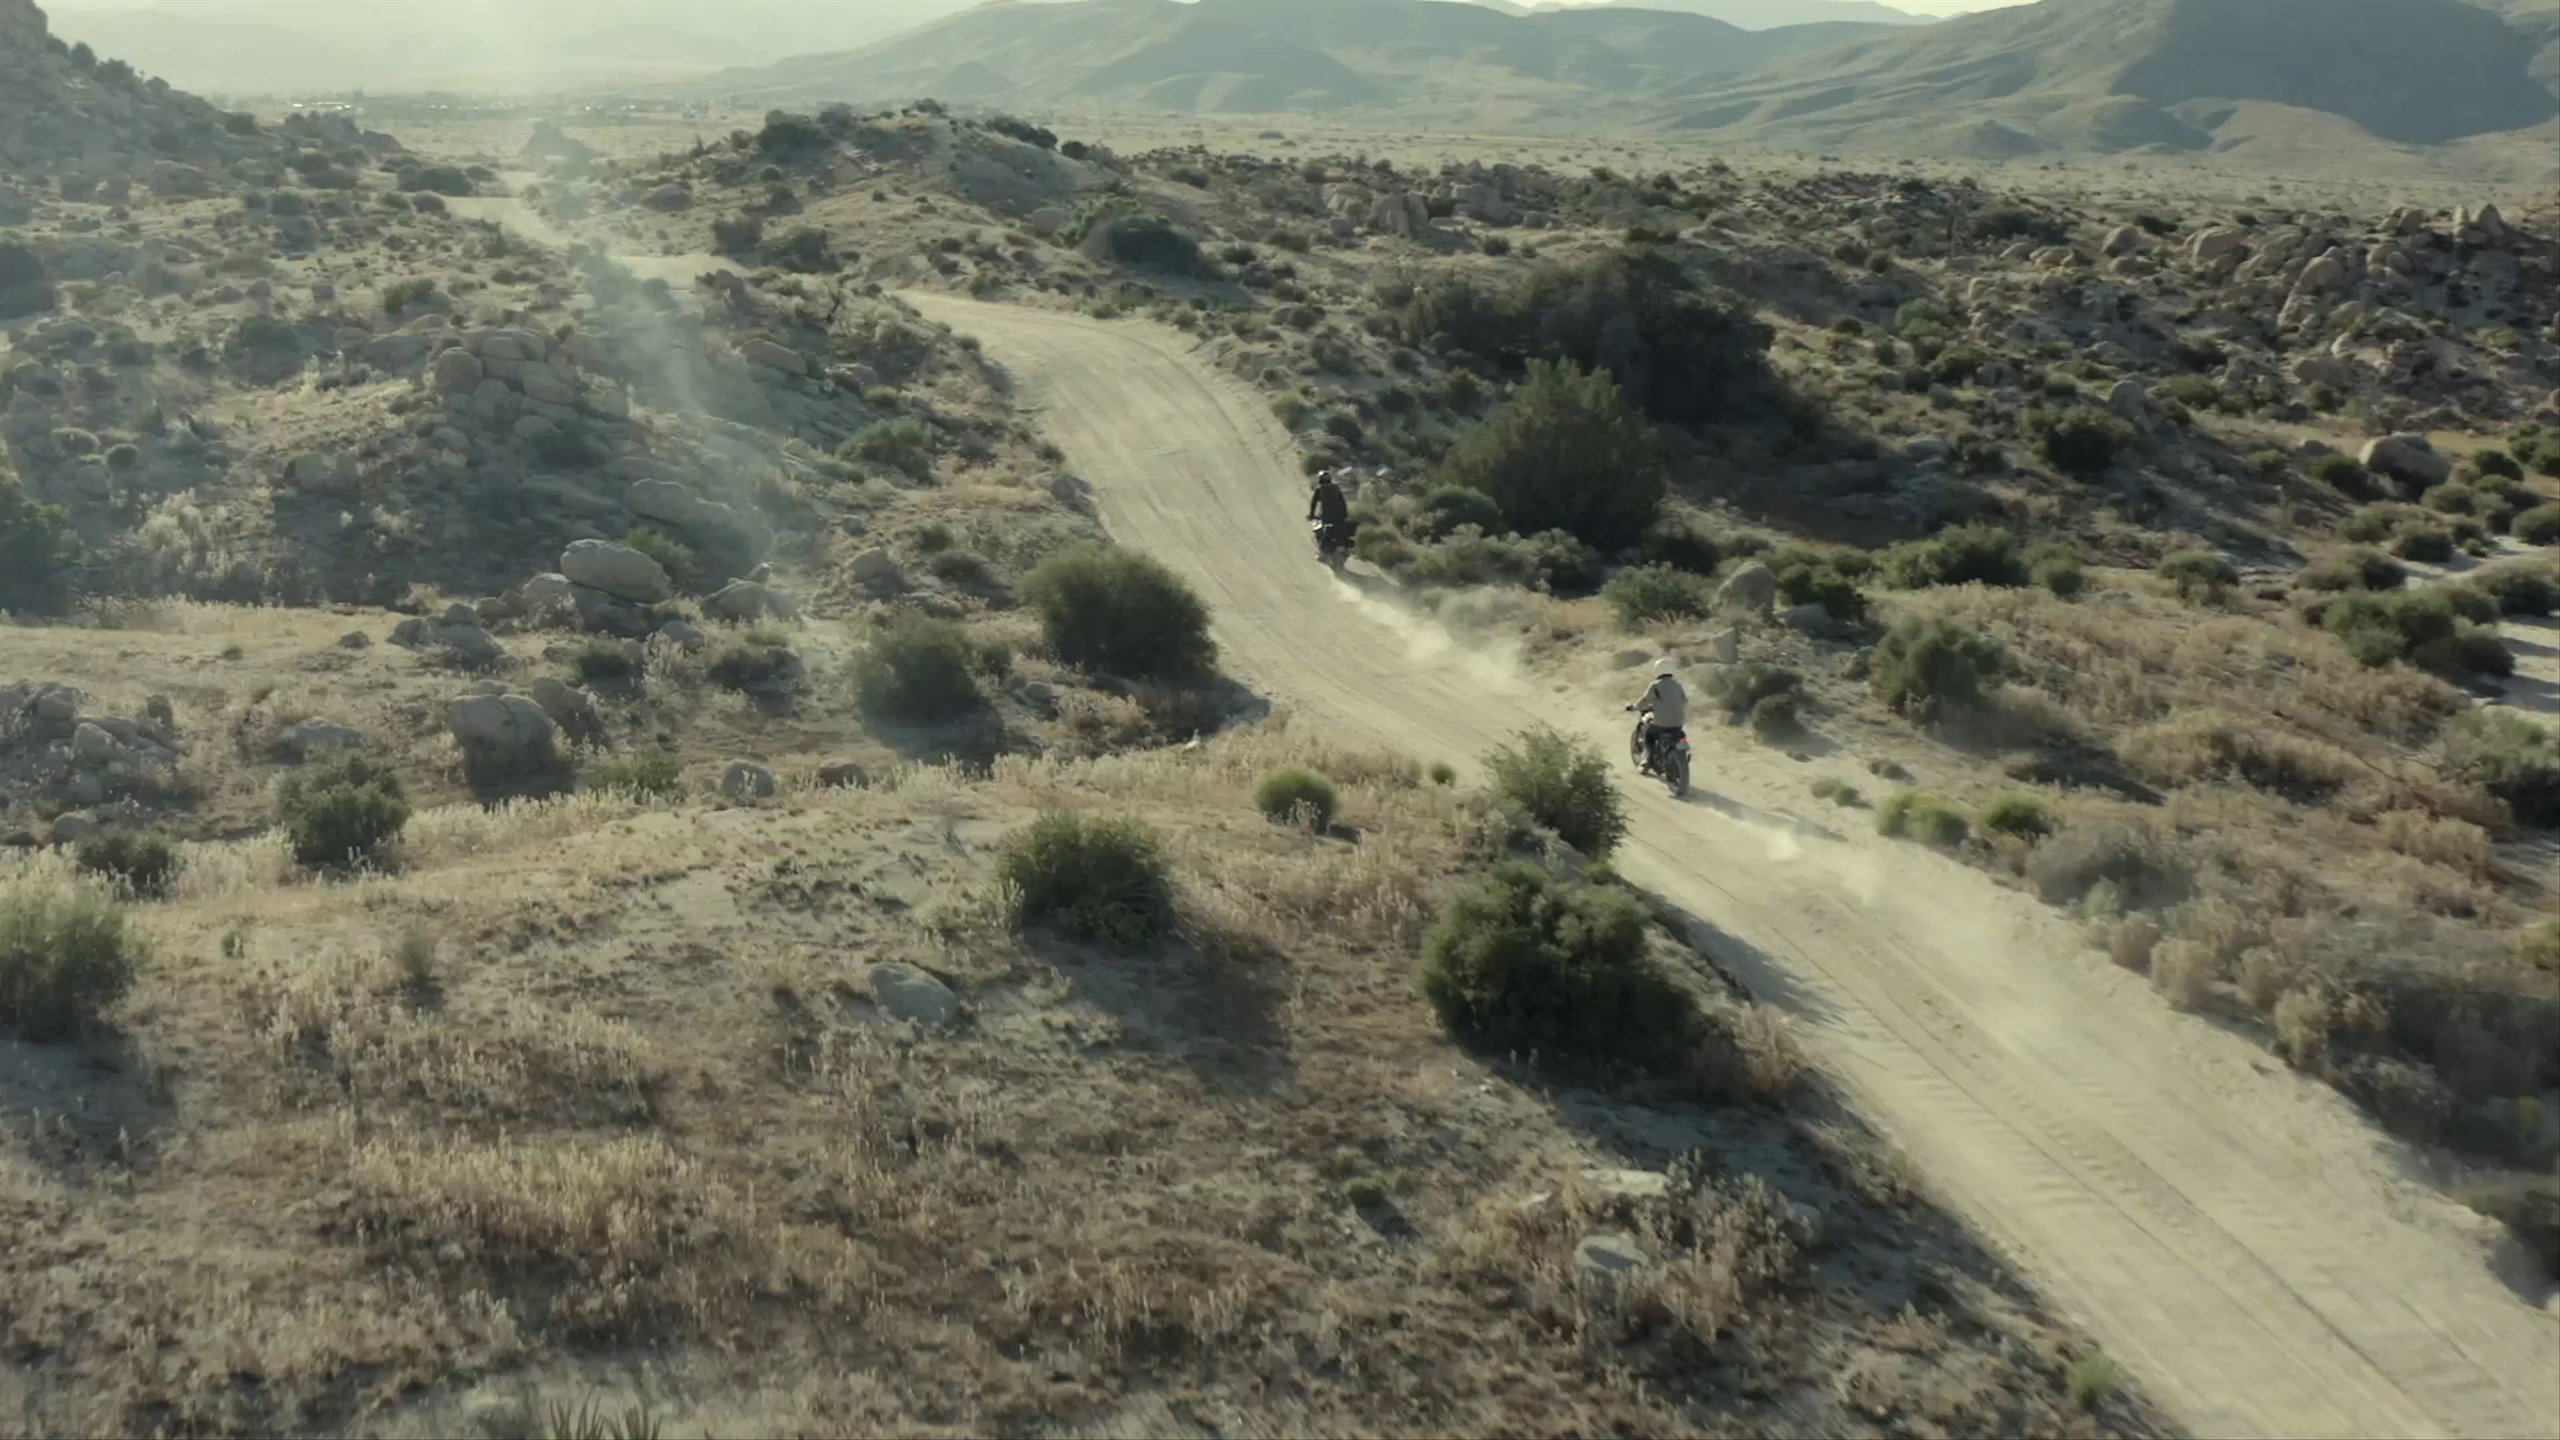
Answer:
(2373, 524)
(904, 443)
(1565, 452)
(785, 133)
(602, 661)
(2530, 1209)
(2511, 757)
(1738, 690)
(2200, 575)
(24, 286)
(1528, 962)
(2196, 392)
(1979, 554)
(438, 180)
(2424, 543)
(2357, 569)
(1776, 718)
(1561, 785)
(1918, 815)
(656, 775)
(2518, 591)
(2056, 568)
(2418, 626)
(2024, 816)
(2078, 440)
(65, 958)
(2496, 462)
(1450, 506)
(141, 865)
(1098, 879)
(2344, 474)
(1024, 131)
(738, 234)
(1296, 796)
(2452, 498)
(2471, 603)
(1813, 577)
(1142, 241)
(918, 669)
(2538, 526)
(1679, 354)
(673, 555)
(402, 296)
(1928, 667)
(2123, 861)
(1647, 593)
(39, 552)
(1443, 773)
(344, 815)
(1120, 612)
(805, 250)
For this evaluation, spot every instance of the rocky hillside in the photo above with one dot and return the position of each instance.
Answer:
(2175, 75)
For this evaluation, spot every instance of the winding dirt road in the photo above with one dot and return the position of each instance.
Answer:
(2235, 1236)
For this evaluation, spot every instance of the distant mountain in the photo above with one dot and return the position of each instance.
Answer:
(1248, 56)
(2176, 75)
(1771, 14)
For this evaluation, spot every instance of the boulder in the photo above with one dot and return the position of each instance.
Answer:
(546, 386)
(74, 826)
(92, 745)
(2123, 240)
(1752, 587)
(905, 993)
(308, 739)
(570, 708)
(745, 781)
(396, 352)
(744, 601)
(616, 570)
(1606, 1259)
(669, 199)
(765, 354)
(2410, 459)
(1402, 213)
(2324, 274)
(457, 372)
(1047, 221)
(502, 735)
(467, 640)
(2211, 246)
(877, 570)
(2129, 399)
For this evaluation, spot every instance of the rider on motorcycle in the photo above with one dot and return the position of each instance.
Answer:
(1327, 503)
(1665, 706)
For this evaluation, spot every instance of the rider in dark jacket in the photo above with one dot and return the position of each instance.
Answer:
(1328, 504)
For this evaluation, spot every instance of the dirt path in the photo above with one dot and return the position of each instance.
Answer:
(2234, 1235)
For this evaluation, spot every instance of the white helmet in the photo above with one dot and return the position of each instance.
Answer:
(1662, 668)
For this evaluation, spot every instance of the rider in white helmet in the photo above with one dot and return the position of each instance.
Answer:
(1665, 704)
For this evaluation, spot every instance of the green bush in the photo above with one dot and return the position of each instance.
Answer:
(1561, 785)
(2344, 474)
(2357, 569)
(2530, 1209)
(2200, 575)
(1091, 878)
(2196, 392)
(438, 180)
(918, 669)
(673, 555)
(1296, 796)
(1528, 962)
(402, 296)
(2056, 567)
(2424, 543)
(143, 866)
(65, 958)
(344, 815)
(2519, 591)
(2078, 440)
(1927, 668)
(2538, 526)
(604, 661)
(1450, 506)
(1143, 241)
(1918, 815)
(2496, 462)
(1120, 612)
(1740, 689)
(2373, 524)
(1978, 554)
(2024, 816)
(1648, 593)
(1443, 773)
(2452, 498)
(904, 444)
(2513, 758)
(39, 552)
(656, 775)
(1776, 718)
(1565, 452)
(2422, 627)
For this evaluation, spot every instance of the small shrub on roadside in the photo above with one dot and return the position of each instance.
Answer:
(605, 661)
(2519, 591)
(2056, 568)
(66, 957)
(1776, 718)
(1296, 796)
(1919, 816)
(2537, 526)
(1526, 961)
(1443, 773)
(143, 866)
(1926, 667)
(904, 444)
(2201, 576)
(2079, 441)
(1650, 593)
(918, 669)
(1561, 785)
(2511, 757)
(2024, 816)
(1098, 879)
(2357, 569)
(656, 775)
(343, 816)
(1565, 452)
(1120, 612)
(2425, 543)
(2530, 1209)
(673, 555)
(1978, 554)
(2343, 474)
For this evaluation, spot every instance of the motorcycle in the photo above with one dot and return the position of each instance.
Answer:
(1668, 760)
(1333, 543)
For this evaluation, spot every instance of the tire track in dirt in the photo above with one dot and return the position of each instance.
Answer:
(2235, 1235)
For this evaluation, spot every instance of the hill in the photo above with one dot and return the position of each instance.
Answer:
(1281, 55)
(1777, 14)
(2169, 75)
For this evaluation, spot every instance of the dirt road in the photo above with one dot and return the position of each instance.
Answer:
(2233, 1234)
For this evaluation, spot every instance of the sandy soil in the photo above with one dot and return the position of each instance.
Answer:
(2257, 1254)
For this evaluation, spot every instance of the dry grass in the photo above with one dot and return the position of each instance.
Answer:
(590, 1079)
